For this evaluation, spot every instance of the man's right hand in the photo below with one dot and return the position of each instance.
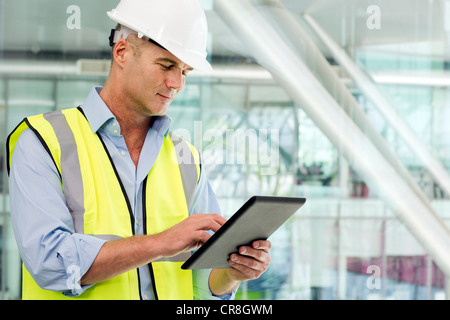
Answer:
(189, 234)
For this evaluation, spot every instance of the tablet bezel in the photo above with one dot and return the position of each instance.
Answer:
(199, 254)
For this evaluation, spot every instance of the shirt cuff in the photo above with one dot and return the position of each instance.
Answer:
(78, 253)
(229, 296)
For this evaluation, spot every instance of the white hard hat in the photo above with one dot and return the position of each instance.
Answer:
(179, 26)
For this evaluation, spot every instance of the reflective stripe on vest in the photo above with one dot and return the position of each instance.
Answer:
(99, 205)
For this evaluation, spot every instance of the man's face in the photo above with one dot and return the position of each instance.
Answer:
(153, 78)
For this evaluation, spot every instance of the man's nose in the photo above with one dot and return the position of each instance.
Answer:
(176, 80)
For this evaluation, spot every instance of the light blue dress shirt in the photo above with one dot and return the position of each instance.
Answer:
(51, 251)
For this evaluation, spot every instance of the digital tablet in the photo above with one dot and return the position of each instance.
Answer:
(257, 219)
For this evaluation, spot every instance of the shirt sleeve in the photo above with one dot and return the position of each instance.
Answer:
(53, 254)
(205, 201)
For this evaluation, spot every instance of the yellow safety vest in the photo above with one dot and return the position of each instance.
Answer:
(99, 205)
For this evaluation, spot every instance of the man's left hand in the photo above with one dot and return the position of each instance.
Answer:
(251, 262)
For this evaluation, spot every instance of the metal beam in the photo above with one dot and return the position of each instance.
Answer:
(369, 88)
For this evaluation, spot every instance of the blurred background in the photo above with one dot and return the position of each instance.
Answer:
(344, 102)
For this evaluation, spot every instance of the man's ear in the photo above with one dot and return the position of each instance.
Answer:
(120, 52)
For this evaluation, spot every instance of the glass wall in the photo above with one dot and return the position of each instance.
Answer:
(255, 138)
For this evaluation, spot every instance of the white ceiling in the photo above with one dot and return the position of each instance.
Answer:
(409, 26)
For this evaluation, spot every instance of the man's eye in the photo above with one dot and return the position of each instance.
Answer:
(165, 67)
(170, 67)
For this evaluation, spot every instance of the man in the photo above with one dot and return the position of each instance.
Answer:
(99, 208)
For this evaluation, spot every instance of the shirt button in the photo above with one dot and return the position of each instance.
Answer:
(116, 131)
(137, 221)
(123, 153)
(114, 124)
(145, 297)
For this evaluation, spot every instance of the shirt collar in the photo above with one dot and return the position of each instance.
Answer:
(98, 114)
(95, 109)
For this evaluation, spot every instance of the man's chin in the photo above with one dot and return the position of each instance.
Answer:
(160, 110)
